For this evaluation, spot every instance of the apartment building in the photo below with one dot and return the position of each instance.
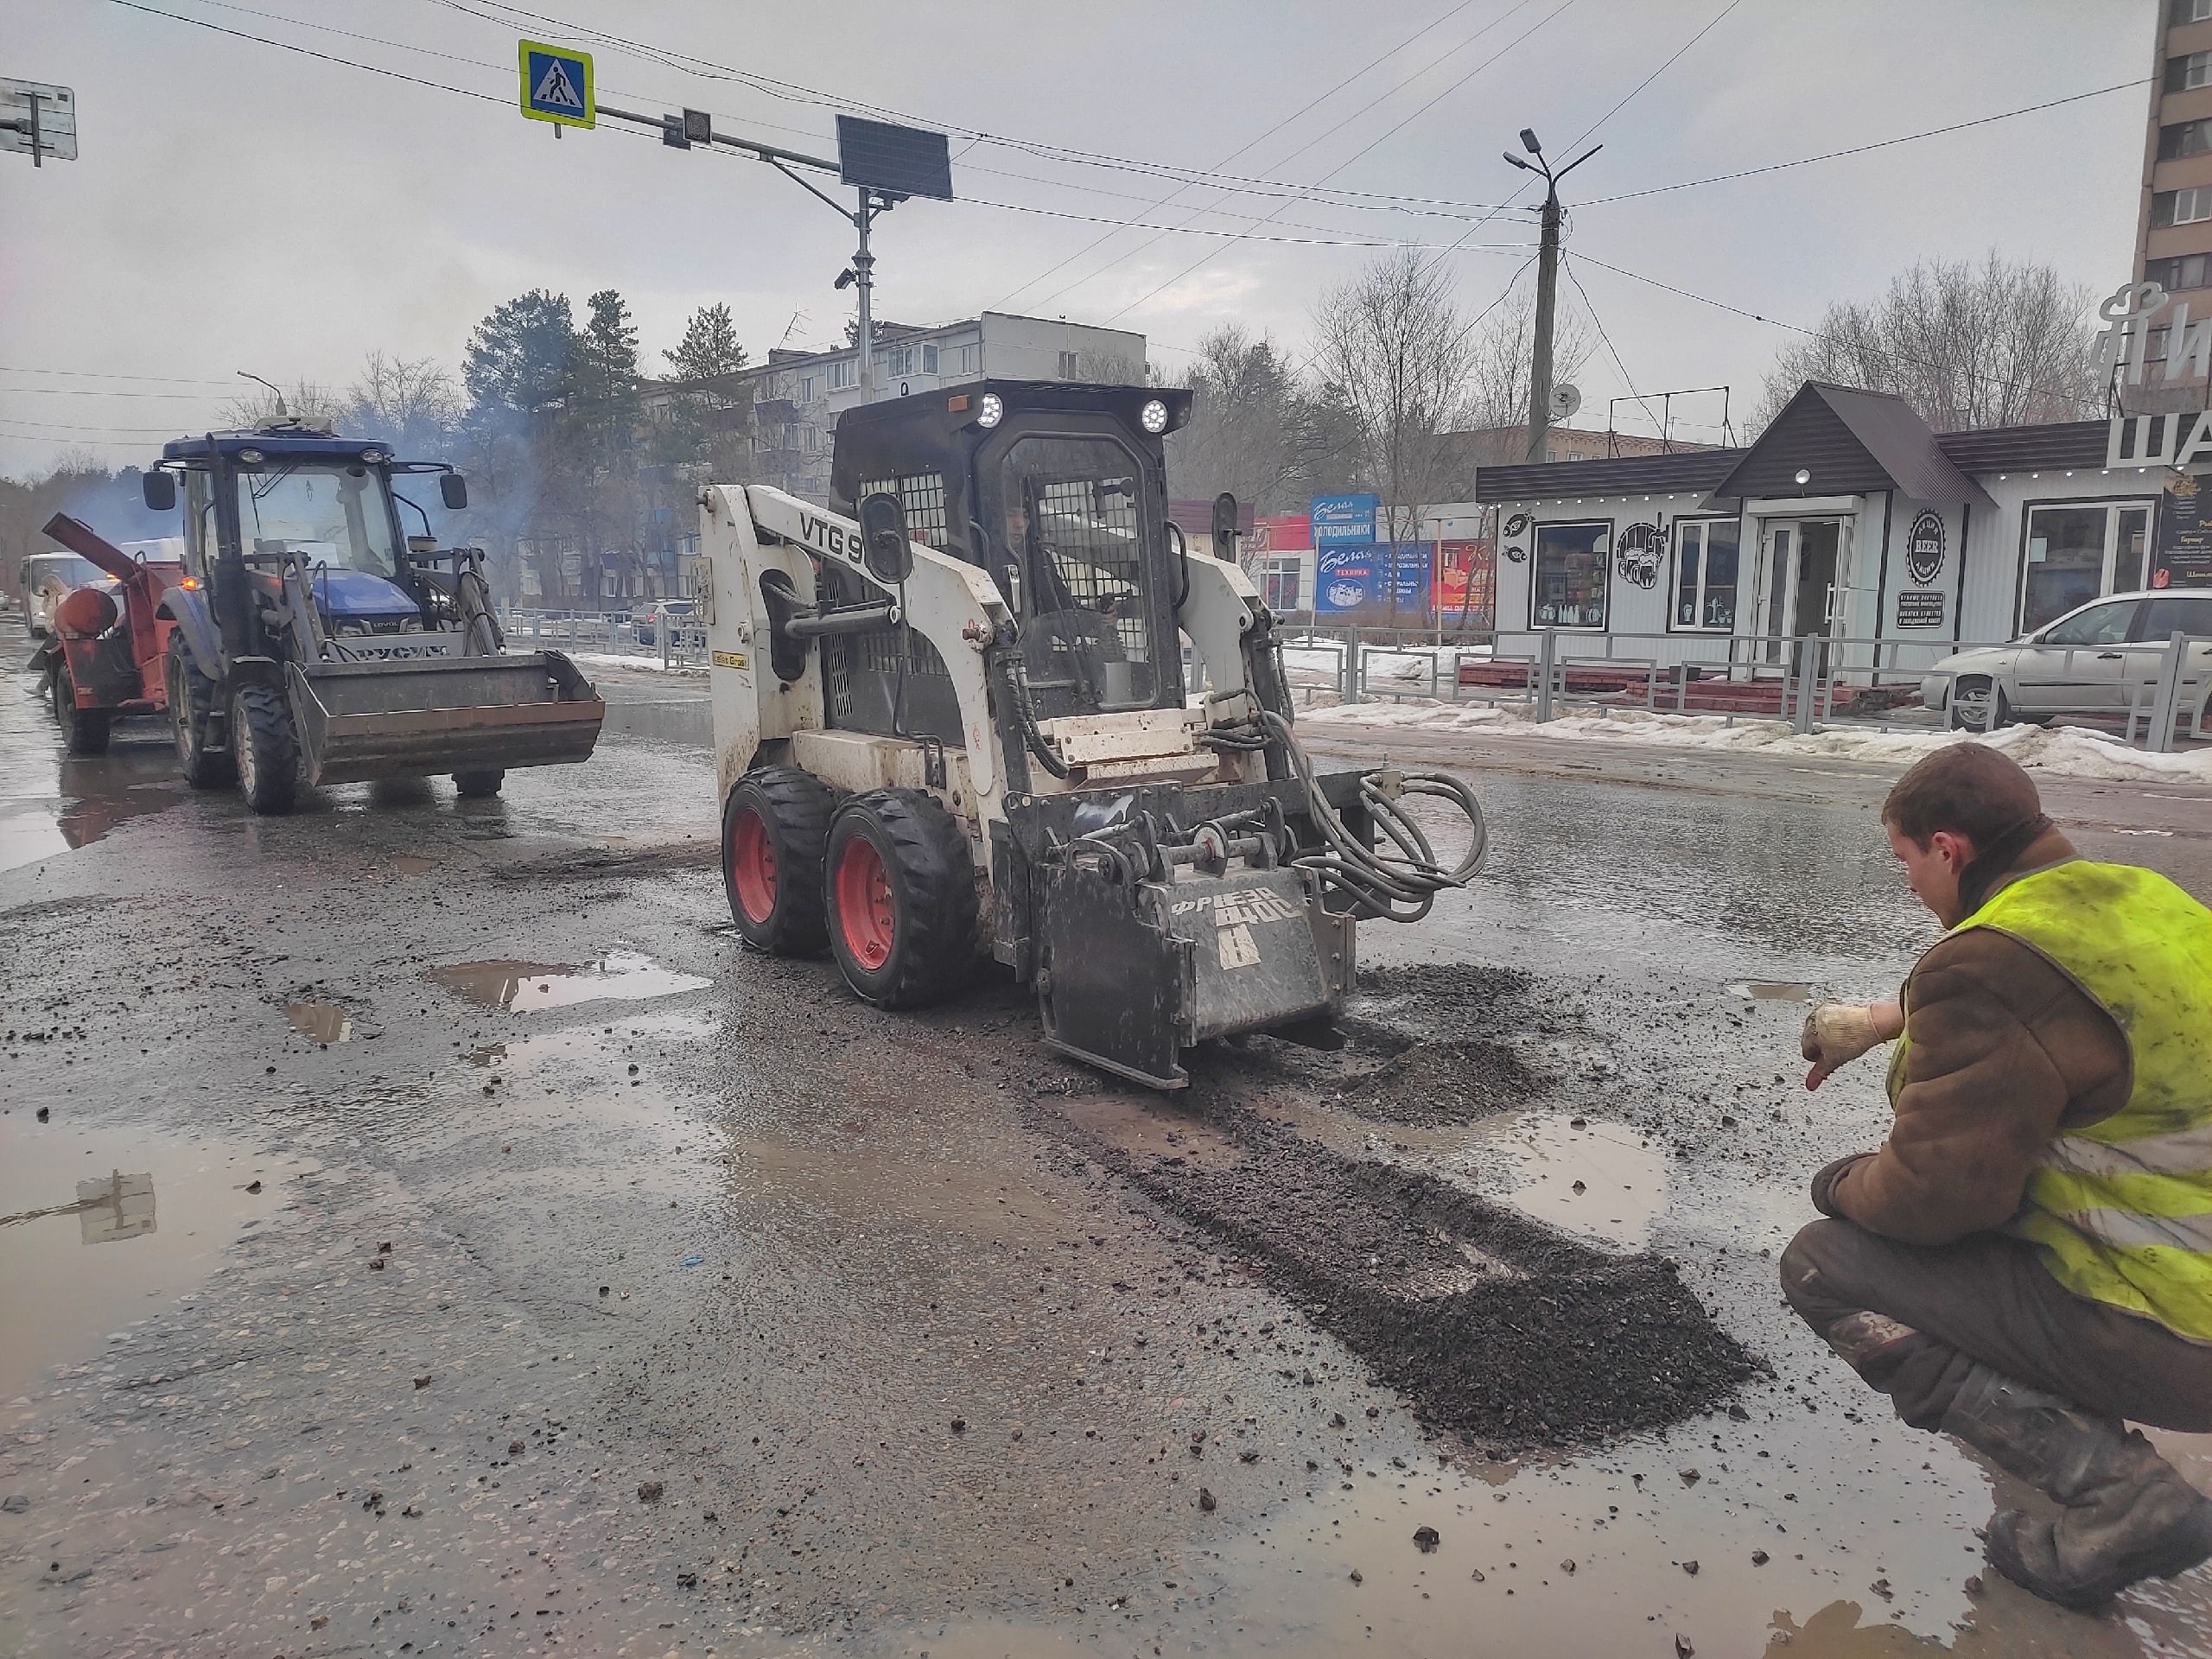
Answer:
(796, 397)
(2173, 236)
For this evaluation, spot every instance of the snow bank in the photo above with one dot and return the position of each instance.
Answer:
(619, 659)
(2065, 751)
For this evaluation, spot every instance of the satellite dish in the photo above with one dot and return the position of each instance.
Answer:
(1566, 400)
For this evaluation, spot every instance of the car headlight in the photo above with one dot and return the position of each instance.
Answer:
(990, 411)
(1154, 417)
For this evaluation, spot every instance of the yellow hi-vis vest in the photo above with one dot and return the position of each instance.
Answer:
(2121, 1209)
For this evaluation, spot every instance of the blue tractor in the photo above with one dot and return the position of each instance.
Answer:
(317, 642)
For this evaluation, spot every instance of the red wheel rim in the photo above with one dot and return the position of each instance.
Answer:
(752, 867)
(866, 917)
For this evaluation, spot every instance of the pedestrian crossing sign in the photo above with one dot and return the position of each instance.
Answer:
(556, 85)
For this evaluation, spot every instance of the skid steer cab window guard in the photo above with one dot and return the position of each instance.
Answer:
(330, 514)
(1076, 531)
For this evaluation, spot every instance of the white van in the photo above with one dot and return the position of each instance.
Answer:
(45, 580)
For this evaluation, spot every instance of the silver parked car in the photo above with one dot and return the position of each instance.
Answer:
(2094, 661)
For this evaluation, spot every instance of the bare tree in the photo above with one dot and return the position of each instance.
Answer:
(1504, 351)
(414, 404)
(308, 400)
(1997, 344)
(1396, 348)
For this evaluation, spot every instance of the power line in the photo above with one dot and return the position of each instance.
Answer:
(1363, 149)
(1389, 92)
(91, 374)
(1613, 351)
(1862, 150)
(93, 391)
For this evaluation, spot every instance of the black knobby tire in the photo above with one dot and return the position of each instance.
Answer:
(775, 834)
(267, 751)
(192, 711)
(914, 941)
(474, 785)
(84, 731)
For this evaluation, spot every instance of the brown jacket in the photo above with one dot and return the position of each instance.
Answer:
(2006, 1049)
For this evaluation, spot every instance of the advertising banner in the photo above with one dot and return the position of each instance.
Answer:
(1344, 520)
(1465, 581)
(2184, 536)
(1348, 579)
(1281, 533)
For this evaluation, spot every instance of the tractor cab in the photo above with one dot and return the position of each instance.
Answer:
(289, 498)
(1060, 491)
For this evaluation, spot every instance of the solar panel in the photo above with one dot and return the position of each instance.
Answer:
(900, 161)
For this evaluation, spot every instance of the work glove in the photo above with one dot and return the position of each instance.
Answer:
(1836, 1034)
(1825, 1179)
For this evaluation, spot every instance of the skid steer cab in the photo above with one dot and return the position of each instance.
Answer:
(952, 727)
(317, 642)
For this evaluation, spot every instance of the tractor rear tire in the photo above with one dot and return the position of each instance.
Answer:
(775, 834)
(84, 731)
(267, 750)
(901, 891)
(474, 786)
(192, 711)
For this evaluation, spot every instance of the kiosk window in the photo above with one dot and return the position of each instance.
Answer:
(2078, 553)
(1706, 552)
(1567, 576)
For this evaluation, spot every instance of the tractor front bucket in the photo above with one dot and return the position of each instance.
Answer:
(360, 721)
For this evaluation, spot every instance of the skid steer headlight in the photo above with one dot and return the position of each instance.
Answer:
(989, 412)
(1154, 417)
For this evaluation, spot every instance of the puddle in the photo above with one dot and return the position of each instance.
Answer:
(54, 803)
(1771, 990)
(413, 863)
(1599, 1181)
(525, 987)
(321, 1022)
(97, 1229)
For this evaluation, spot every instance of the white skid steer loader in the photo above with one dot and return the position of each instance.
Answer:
(953, 727)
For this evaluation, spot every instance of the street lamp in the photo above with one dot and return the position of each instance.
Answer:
(1540, 375)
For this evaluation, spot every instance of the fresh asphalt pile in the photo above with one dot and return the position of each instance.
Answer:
(1499, 1330)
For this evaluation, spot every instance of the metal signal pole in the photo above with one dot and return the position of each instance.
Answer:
(1540, 370)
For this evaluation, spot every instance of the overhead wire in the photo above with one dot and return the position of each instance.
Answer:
(1613, 351)
(1363, 149)
(1248, 146)
(1326, 132)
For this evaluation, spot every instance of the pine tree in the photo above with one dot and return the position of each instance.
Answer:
(710, 345)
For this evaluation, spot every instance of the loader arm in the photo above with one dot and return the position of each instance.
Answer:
(752, 531)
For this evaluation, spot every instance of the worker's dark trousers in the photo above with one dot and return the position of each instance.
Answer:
(1912, 1320)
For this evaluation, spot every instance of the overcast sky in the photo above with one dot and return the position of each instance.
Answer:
(242, 207)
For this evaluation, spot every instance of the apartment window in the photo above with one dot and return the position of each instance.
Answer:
(929, 359)
(2185, 138)
(2184, 271)
(1706, 551)
(2190, 11)
(810, 388)
(1566, 580)
(812, 439)
(2076, 553)
(2186, 74)
(844, 373)
(899, 359)
(1283, 582)
(1067, 365)
(2189, 206)
(971, 358)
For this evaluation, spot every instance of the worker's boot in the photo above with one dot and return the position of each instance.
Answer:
(2128, 1514)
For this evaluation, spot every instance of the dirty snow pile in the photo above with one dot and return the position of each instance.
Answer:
(624, 659)
(2067, 751)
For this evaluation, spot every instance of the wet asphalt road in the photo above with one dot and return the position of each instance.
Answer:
(694, 1264)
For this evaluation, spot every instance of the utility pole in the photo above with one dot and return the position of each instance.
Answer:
(1540, 370)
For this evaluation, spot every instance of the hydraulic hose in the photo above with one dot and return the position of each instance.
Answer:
(1016, 675)
(1396, 885)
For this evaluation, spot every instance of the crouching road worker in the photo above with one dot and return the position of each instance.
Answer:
(2027, 1261)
